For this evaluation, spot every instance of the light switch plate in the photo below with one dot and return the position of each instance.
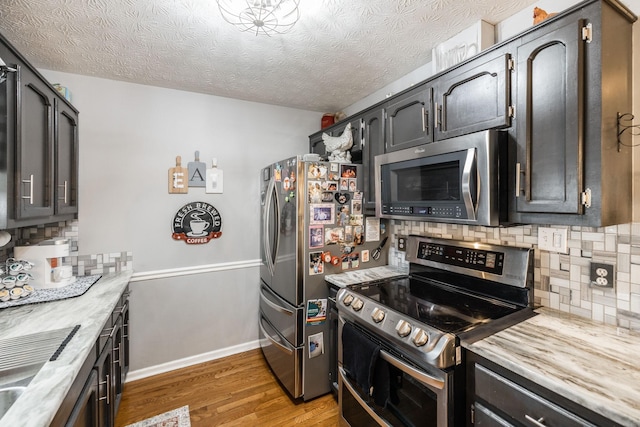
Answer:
(552, 239)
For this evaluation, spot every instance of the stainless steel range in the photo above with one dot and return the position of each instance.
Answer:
(399, 354)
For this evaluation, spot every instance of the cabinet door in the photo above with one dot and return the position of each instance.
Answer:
(316, 145)
(66, 191)
(473, 98)
(117, 368)
(408, 120)
(104, 365)
(85, 411)
(373, 145)
(549, 109)
(34, 151)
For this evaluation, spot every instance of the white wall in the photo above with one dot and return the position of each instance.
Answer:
(129, 137)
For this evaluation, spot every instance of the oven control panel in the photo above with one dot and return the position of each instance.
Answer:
(475, 259)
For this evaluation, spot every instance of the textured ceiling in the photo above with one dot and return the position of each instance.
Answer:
(339, 52)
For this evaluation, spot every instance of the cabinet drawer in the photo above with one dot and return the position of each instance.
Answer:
(519, 404)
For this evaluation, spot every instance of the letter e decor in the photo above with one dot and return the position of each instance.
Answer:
(196, 223)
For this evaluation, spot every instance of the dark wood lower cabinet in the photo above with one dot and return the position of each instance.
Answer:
(95, 395)
(85, 413)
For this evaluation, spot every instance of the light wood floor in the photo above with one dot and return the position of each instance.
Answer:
(238, 390)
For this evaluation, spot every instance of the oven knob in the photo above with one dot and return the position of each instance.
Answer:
(347, 299)
(420, 338)
(403, 328)
(377, 315)
(357, 304)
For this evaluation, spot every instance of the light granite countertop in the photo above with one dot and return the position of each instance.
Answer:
(38, 405)
(591, 364)
(365, 275)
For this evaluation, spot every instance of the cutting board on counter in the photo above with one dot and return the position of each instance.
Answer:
(178, 178)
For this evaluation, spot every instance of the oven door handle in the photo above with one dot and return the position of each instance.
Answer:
(427, 380)
(361, 402)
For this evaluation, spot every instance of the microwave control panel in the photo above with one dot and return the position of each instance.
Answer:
(442, 211)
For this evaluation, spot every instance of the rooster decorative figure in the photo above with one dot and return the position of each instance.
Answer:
(338, 146)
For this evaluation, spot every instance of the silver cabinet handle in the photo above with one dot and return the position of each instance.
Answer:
(65, 186)
(108, 389)
(361, 402)
(30, 196)
(538, 423)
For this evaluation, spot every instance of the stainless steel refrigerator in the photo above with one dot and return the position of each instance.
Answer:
(312, 224)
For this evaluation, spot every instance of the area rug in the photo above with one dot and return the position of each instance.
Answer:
(176, 418)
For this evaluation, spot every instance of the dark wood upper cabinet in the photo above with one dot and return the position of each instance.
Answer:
(373, 125)
(474, 97)
(550, 113)
(38, 146)
(408, 119)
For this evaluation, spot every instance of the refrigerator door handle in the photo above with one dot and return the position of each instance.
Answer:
(274, 305)
(267, 222)
(279, 346)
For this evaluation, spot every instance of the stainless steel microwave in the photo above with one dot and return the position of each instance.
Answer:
(456, 180)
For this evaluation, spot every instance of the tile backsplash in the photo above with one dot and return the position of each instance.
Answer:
(562, 281)
(83, 265)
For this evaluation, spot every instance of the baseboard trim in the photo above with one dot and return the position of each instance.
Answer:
(139, 374)
(198, 269)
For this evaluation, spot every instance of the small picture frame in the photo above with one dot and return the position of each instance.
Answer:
(348, 171)
(316, 264)
(316, 236)
(333, 236)
(364, 255)
(321, 213)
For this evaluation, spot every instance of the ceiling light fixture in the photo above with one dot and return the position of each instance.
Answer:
(261, 16)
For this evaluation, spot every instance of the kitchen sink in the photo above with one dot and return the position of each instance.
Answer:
(21, 358)
(8, 396)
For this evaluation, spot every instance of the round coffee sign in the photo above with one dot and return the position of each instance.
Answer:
(197, 223)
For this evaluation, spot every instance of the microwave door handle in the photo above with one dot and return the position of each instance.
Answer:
(466, 184)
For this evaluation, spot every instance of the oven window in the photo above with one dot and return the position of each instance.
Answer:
(410, 404)
(435, 182)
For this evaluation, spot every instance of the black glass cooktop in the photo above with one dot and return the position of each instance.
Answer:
(436, 304)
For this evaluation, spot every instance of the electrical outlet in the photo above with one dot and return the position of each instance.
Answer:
(601, 275)
(552, 239)
(401, 243)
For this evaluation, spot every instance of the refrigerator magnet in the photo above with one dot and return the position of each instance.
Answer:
(333, 236)
(343, 217)
(344, 184)
(350, 261)
(316, 265)
(316, 345)
(334, 167)
(317, 171)
(352, 185)
(364, 255)
(321, 213)
(357, 195)
(314, 189)
(358, 237)
(327, 196)
(348, 171)
(355, 220)
(316, 310)
(356, 207)
(316, 236)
